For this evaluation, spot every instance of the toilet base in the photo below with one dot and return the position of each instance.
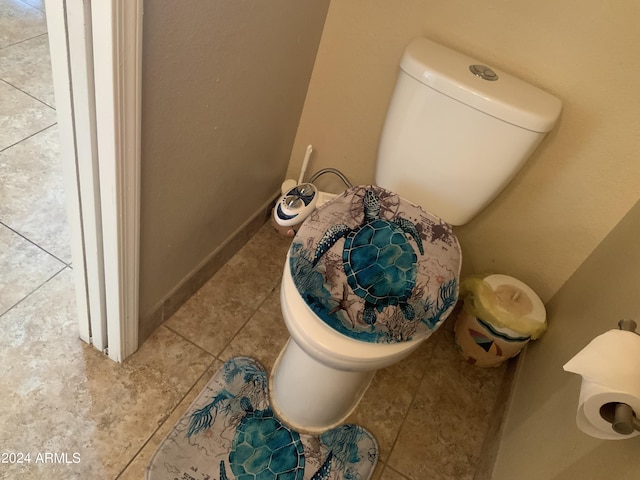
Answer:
(310, 396)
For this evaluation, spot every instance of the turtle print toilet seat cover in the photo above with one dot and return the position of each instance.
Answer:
(376, 267)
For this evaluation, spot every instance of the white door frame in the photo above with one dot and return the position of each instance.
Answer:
(96, 51)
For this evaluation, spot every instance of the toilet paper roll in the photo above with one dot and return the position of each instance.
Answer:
(592, 398)
(610, 369)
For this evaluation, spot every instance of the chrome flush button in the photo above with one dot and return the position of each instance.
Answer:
(483, 72)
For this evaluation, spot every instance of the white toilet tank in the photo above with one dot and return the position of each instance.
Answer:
(457, 131)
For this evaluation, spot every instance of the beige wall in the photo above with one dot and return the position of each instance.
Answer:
(583, 178)
(224, 82)
(540, 438)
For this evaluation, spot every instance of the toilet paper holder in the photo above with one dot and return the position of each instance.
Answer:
(621, 416)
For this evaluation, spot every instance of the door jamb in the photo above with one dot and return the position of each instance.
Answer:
(96, 46)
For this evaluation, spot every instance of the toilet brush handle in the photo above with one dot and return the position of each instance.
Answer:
(305, 162)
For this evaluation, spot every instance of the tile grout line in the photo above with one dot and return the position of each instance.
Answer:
(404, 418)
(28, 94)
(64, 267)
(386, 466)
(26, 39)
(226, 345)
(35, 244)
(28, 136)
(168, 415)
(32, 6)
(273, 289)
(185, 339)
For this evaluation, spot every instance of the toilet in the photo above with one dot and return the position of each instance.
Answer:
(375, 271)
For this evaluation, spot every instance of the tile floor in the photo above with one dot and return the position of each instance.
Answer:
(104, 420)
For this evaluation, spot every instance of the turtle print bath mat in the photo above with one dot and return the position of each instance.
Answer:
(231, 433)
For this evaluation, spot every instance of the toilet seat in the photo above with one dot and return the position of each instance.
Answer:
(408, 296)
(327, 345)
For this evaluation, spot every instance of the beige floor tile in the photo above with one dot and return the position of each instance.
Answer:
(64, 396)
(377, 472)
(24, 268)
(211, 317)
(39, 4)
(21, 115)
(261, 261)
(135, 470)
(387, 401)
(27, 66)
(263, 336)
(19, 21)
(32, 198)
(442, 435)
(214, 314)
(390, 474)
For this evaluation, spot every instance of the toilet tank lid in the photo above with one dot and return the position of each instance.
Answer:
(507, 98)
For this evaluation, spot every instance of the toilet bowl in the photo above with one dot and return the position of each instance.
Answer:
(333, 353)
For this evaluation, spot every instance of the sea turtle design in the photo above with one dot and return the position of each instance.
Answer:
(231, 428)
(264, 448)
(378, 259)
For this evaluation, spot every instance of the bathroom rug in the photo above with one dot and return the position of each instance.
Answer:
(231, 433)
